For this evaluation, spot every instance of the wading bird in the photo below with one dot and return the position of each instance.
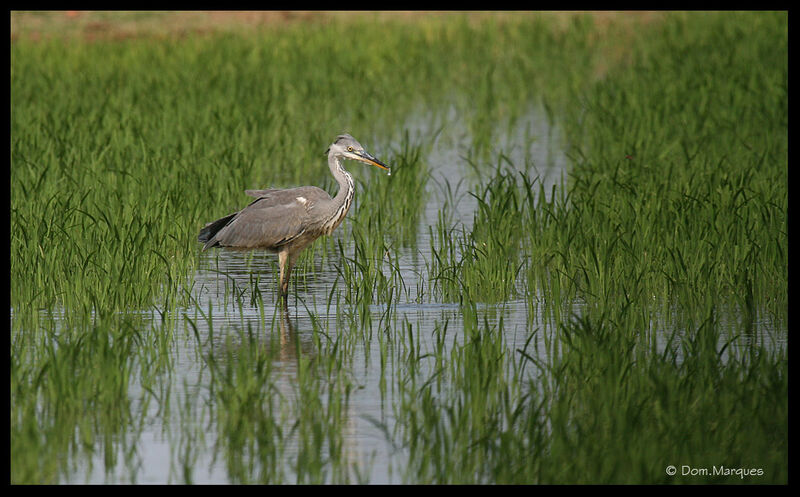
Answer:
(287, 221)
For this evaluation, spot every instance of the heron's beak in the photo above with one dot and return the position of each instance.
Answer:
(369, 159)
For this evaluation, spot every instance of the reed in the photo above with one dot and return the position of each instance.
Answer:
(655, 276)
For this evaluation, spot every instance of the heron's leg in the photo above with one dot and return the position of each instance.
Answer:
(285, 263)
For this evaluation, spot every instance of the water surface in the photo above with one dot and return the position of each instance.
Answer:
(176, 438)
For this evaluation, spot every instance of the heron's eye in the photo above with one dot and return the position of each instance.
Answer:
(349, 149)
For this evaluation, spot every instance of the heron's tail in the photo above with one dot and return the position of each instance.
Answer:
(210, 230)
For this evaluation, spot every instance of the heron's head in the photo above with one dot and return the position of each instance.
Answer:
(346, 147)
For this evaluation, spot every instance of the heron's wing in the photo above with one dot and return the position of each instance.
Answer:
(274, 219)
(211, 229)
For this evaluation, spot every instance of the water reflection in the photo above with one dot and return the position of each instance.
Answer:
(236, 319)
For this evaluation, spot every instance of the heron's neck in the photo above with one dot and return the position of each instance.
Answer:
(347, 189)
(346, 186)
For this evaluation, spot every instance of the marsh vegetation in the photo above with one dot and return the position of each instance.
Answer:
(576, 273)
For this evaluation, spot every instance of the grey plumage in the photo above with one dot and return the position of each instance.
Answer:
(287, 221)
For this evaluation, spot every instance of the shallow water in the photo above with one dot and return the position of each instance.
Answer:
(240, 288)
(229, 282)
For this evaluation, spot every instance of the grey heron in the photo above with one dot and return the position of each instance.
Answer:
(287, 221)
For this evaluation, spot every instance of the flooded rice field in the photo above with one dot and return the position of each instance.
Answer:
(575, 273)
(235, 310)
